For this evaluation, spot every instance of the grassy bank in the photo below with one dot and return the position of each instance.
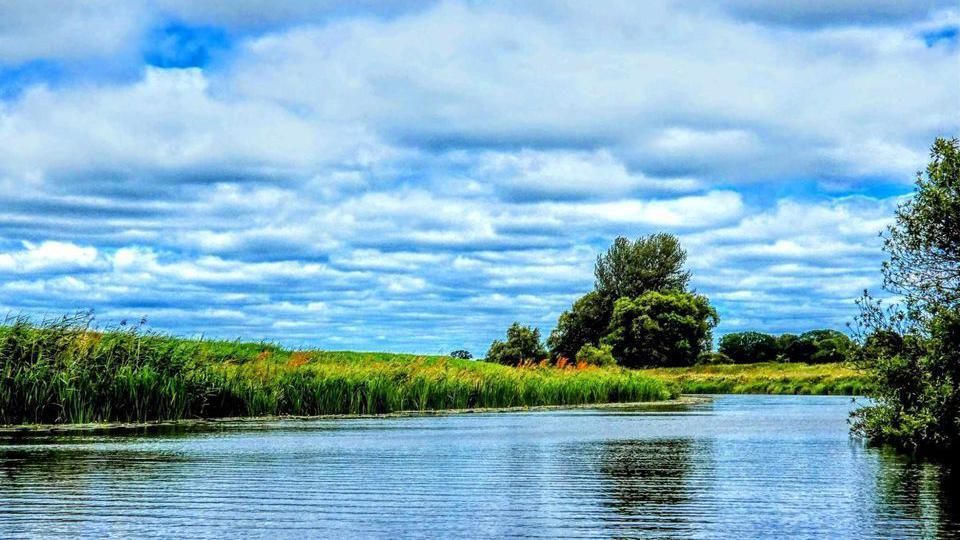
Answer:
(65, 372)
(764, 378)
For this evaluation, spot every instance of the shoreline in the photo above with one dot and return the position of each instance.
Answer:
(94, 427)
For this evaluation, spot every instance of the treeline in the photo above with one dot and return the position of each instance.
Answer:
(813, 347)
(642, 314)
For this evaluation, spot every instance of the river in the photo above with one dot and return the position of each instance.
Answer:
(734, 467)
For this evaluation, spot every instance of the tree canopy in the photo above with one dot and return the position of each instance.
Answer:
(923, 245)
(651, 263)
(523, 344)
(661, 329)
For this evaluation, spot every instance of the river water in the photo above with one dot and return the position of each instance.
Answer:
(734, 467)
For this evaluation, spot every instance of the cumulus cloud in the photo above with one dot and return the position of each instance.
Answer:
(415, 176)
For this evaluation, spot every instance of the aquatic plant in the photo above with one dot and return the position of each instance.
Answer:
(65, 371)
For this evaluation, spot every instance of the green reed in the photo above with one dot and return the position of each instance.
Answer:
(65, 371)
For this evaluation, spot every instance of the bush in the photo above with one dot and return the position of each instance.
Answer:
(522, 345)
(918, 402)
(661, 329)
(596, 356)
(749, 347)
(710, 358)
(461, 354)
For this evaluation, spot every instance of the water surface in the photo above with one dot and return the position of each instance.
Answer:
(736, 467)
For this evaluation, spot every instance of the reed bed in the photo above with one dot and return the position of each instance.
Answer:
(64, 371)
(765, 378)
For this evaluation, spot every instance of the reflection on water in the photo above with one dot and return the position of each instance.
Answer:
(739, 467)
(646, 475)
(919, 492)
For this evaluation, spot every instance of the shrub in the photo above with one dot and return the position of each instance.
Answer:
(749, 347)
(596, 355)
(522, 345)
(661, 329)
(461, 354)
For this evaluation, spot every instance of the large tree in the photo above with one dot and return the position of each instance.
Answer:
(628, 269)
(670, 328)
(913, 353)
(651, 263)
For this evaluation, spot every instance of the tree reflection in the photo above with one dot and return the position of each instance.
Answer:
(648, 479)
(924, 493)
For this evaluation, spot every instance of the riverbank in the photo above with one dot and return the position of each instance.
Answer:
(765, 378)
(65, 373)
(20, 430)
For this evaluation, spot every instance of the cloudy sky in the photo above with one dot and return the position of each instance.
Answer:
(413, 176)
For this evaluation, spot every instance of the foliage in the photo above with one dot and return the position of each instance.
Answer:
(601, 355)
(828, 346)
(625, 273)
(523, 344)
(661, 329)
(912, 350)
(923, 245)
(749, 347)
(66, 372)
(765, 378)
(585, 323)
(461, 354)
(917, 387)
(784, 341)
(816, 347)
(630, 269)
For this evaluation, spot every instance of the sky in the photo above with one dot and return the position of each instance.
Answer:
(414, 176)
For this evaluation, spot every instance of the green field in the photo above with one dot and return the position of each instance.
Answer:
(764, 378)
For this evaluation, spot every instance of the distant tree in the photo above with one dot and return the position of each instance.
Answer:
(522, 345)
(661, 329)
(601, 355)
(584, 323)
(817, 347)
(830, 346)
(461, 354)
(651, 263)
(784, 341)
(749, 347)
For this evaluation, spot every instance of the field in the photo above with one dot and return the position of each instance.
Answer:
(764, 378)
(64, 372)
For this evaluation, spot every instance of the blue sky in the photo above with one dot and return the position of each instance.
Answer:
(413, 176)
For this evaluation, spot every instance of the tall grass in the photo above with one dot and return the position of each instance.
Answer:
(64, 371)
(765, 378)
